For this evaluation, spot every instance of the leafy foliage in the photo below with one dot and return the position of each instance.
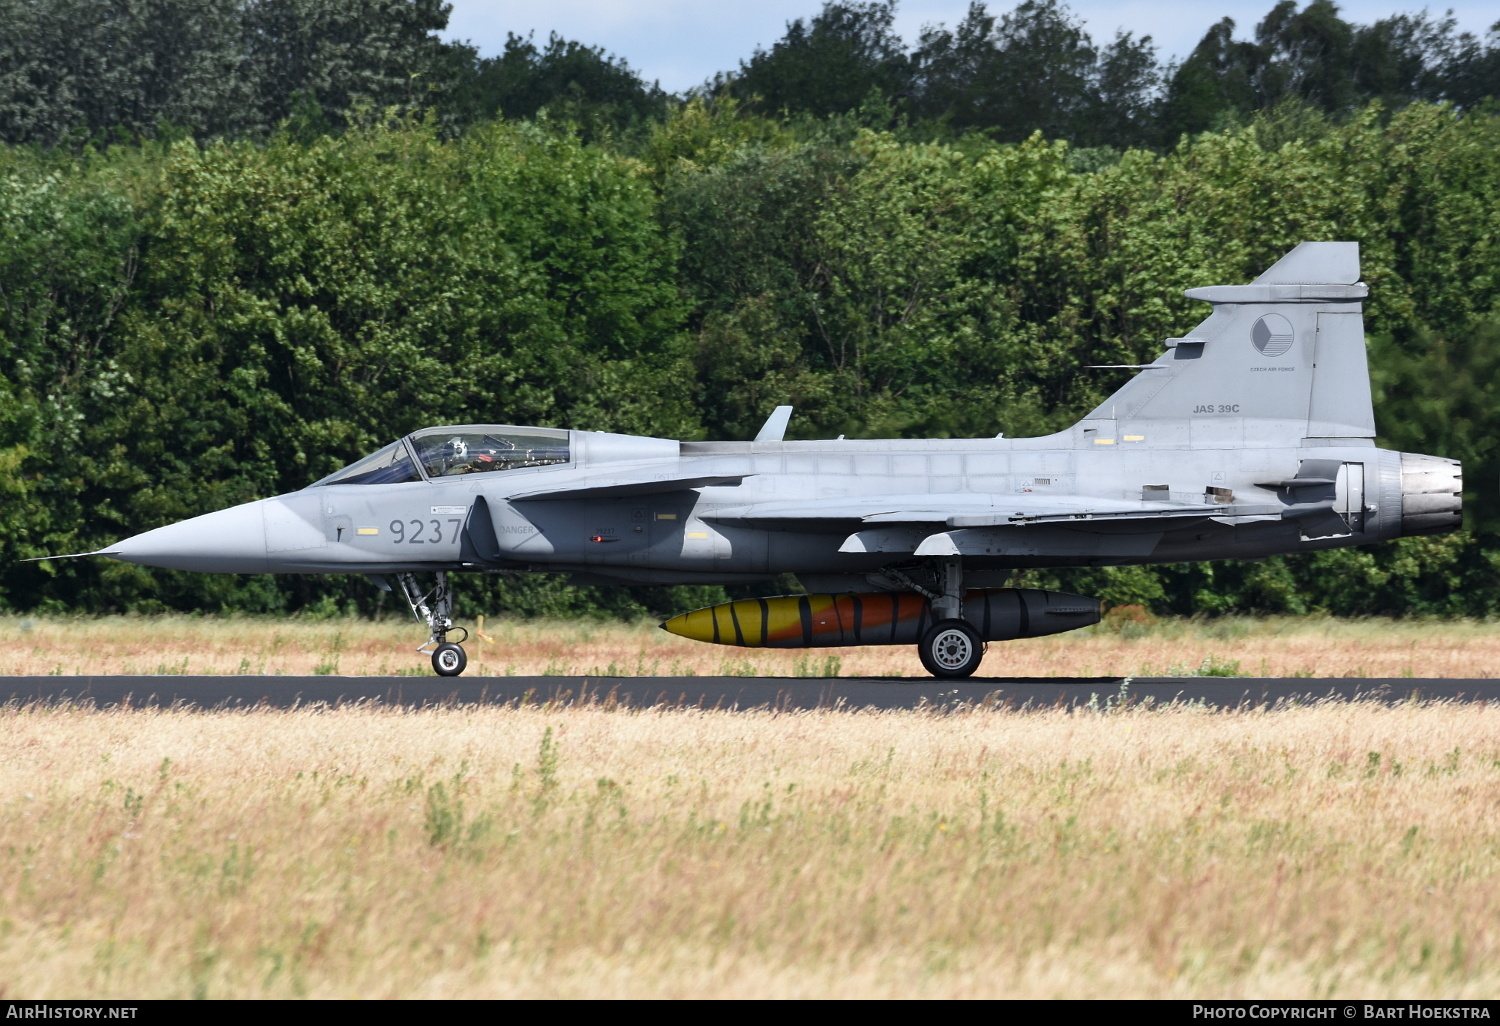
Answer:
(1036, 69)
(74, 70)
(572, 82)
(830, 64)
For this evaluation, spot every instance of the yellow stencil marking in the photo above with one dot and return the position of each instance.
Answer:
(1104, 441)
(1135, 438)
(697, 534)
(368, 530)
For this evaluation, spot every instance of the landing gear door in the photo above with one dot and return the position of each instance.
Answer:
(1349, 495)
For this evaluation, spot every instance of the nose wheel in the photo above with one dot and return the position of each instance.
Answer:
(435, 608)
(449, 659)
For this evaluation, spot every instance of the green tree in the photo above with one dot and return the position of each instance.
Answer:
(750, 265)
(829, 65)
(74, 69)
(1219, 77)
(1125, 99)
(1036, 69)
(573, 82)
(1309, 55)
(1404, 58)
(918, 316)
(69, 253)
(1473, 74)
(343, 55)
(1027, 71)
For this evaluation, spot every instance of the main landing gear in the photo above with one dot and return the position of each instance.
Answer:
(950, 648)
(436, 609)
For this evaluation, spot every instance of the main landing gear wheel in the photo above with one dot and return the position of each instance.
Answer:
(449, 659)
(951, 649)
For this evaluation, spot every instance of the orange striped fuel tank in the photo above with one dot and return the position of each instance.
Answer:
(879, 618)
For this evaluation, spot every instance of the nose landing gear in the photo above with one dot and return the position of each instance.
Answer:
(435, 608)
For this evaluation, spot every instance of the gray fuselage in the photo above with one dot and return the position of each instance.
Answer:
(828, 491)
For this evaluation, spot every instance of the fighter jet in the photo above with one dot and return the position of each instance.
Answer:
(1250, 435)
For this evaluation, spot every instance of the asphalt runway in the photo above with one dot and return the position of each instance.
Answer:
(789, 693)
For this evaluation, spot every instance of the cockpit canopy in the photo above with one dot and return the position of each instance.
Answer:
(447, 452)
(452, 451)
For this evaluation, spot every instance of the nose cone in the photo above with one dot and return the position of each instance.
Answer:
(231, 541)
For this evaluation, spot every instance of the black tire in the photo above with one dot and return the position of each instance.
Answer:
(951, 649)
(449, 659)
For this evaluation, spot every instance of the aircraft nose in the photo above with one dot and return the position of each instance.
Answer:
(231, 541)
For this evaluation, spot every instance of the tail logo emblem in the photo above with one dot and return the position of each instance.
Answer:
(1272, 335)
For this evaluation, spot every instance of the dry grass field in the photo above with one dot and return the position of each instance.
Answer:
(1338, 850)
(1122, 646)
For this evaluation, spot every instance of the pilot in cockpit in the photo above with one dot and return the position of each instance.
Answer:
(468, 461)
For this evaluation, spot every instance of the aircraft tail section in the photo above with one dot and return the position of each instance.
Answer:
(1279, 360)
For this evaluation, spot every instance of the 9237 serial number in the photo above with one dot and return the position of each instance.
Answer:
(424, 532)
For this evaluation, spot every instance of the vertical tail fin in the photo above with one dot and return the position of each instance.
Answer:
(1278, 361)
